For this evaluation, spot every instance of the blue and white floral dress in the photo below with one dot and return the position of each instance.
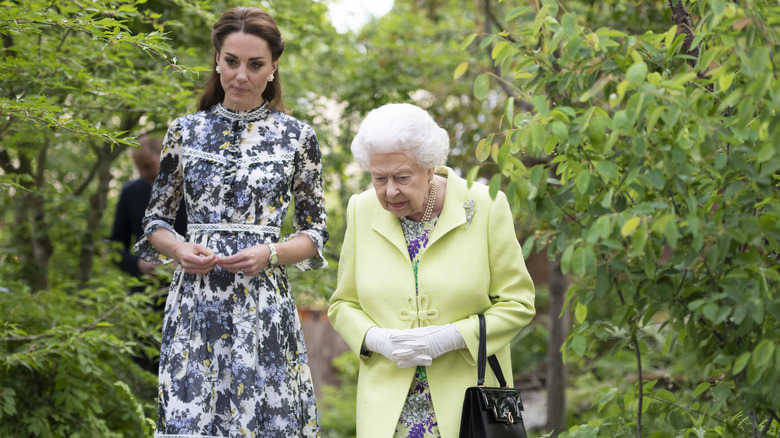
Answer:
(233, 361)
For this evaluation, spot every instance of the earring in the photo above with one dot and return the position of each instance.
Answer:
(218, 70)
(271, 78)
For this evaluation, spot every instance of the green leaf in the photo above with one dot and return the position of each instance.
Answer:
(607, 169)
(566, 259)
(509, 109)
(637, 72)
(579, 261)
(467, 41)
(495, 185)
(757, 62)
(538, 138)
(460, 70)
(700, 388)
(669, 37)
(763, 354)
(766, 153)
(516, 12)
(578, 345)
(741, 363)
(725, 81)
(528, 246)
(560, 131)
(679, 81)
(569, 23)
(580, 313)
(583, 181)
(483, 150)
(666, 396)
(472, 175)
(608, 32)
(676, 420)
(672, 233)
(541, 105)
(630, 226)
(481, 86)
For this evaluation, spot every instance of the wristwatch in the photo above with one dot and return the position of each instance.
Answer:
(273, 258)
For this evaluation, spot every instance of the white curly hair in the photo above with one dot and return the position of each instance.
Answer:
(404, 128)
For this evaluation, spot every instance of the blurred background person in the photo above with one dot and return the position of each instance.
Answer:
(133, 199)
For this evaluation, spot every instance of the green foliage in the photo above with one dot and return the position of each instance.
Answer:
(337, 404)
(80, 80)
(651, 170)
(65, 361)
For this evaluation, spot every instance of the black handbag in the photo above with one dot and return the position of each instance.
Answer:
(491, 412)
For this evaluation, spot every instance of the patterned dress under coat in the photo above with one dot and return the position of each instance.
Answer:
(418, 418)
(233, 362)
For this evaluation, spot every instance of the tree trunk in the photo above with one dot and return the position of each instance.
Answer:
(98, 202)
(30, 230)
(32, 243)
(556, 369)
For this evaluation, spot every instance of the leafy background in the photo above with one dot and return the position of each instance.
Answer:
(636, 141)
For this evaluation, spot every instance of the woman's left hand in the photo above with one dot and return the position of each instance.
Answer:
(249, 261)
(435, 339)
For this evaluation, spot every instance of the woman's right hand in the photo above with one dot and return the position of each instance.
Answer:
(404, 353)
(195, 258)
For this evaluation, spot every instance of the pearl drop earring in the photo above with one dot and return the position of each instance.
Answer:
(218, 70)
(271, 78)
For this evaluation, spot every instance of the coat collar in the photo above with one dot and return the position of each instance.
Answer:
(452, 215)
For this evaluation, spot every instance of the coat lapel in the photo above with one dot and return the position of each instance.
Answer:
(389, 227)
(453, 215)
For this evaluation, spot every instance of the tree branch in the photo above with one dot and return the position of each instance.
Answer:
(638, 354)
(682, 19)
(519, 103)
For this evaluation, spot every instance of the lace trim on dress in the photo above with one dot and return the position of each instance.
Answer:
(316, 262)
(241, 162)
(254, 114)
(232, 228)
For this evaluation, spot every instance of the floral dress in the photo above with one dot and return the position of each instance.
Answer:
(417, 419)
(233, 361)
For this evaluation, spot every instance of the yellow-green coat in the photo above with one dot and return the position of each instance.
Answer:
(469, 267)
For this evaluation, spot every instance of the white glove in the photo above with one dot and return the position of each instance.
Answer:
(435, 339)
(420, 359)
(380, 340)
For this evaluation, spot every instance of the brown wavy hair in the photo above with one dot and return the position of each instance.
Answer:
(253, 21)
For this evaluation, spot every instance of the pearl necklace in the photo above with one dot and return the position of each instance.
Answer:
(431, 200)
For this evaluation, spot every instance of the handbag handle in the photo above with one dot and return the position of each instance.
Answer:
(481, 353)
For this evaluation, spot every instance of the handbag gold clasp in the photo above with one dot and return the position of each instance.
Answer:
(509, 418)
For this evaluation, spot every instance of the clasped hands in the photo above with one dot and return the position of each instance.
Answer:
(197, 259)
(416, 346)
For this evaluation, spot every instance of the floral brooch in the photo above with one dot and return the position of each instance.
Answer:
(469, 206)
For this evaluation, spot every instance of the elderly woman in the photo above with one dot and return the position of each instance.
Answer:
(423, 255)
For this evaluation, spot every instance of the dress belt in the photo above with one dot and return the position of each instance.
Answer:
(232, 228)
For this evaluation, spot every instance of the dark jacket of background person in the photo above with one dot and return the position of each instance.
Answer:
(127, 227)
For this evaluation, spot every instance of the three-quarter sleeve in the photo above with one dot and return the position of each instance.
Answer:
(166, 196)
(309, 215)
